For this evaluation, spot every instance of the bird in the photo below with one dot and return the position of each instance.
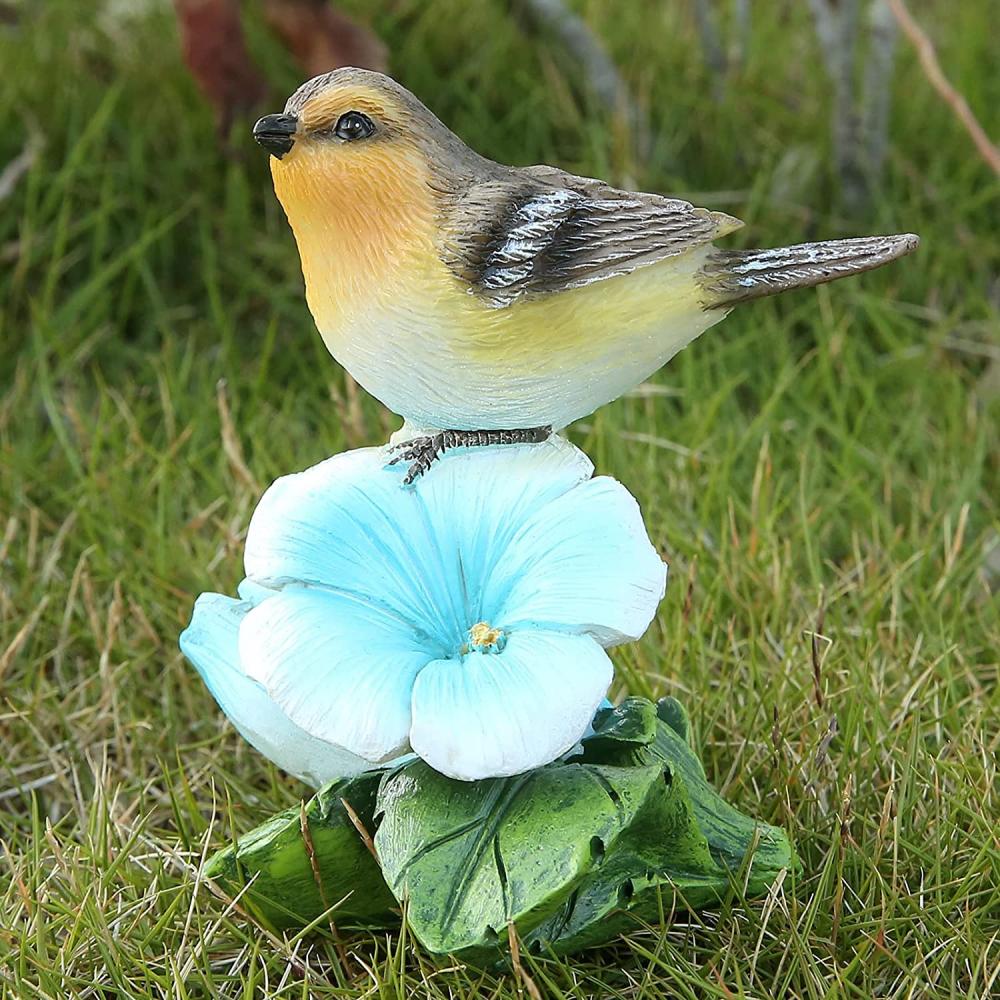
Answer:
(488, 304)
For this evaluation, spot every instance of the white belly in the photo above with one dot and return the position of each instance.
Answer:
(436, 373)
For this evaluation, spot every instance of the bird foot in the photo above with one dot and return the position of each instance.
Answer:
(422, 452)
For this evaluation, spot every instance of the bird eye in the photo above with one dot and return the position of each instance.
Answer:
(353, 125)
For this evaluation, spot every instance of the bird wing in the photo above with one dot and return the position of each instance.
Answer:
(539, 230)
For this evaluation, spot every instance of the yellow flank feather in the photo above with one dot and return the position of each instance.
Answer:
(583, 324)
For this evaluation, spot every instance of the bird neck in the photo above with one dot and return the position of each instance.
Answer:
(361, 226)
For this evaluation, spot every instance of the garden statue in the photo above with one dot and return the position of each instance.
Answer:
(427, 645)
(488, 304)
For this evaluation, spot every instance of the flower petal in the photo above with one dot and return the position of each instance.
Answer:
(339, 667)
(423, 553)
(480, 497)
(495, 714)
(211, 643)
(583, 562)
(253, 593)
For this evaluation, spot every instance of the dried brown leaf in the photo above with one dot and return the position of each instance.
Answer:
(322, 38)
(215, 51)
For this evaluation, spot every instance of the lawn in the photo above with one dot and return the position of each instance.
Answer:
(820, 472)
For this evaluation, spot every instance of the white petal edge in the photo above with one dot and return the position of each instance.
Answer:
(584, 563)
(211, 643)
(338, 667)
(497, 714)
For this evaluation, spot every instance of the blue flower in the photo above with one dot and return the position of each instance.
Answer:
(465, 619)
(211, 643)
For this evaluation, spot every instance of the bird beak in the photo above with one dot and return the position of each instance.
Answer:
(276, 133)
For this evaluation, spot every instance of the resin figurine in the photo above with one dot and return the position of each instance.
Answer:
(488, 304)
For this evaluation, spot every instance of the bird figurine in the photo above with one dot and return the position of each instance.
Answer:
(488, 304)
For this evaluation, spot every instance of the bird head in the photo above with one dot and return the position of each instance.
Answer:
(354, 137)
(360, 167)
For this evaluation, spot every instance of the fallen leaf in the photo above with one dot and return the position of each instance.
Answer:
(215, 51)
(321, 38)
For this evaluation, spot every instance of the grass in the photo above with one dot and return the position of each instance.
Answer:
(820, 471)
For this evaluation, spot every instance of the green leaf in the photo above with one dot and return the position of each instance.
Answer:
(685, 848)
(292, 884)
(620, 730)
(639, 732)
(662, 853)
(731, 835)
(573, 854)
(673, 713)
(469, 858)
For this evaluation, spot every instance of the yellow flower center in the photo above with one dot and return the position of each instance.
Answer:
(484, 637)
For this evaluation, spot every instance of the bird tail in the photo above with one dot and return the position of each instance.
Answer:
(732, 276)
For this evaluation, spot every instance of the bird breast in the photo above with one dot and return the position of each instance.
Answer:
(364, 225)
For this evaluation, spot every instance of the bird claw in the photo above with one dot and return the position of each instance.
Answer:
(422, 452)
(407, 451)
